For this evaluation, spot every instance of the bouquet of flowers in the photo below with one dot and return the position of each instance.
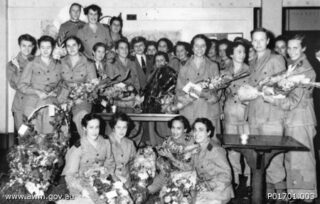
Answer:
(105, 189)
(180, 152)
(170, 194)
(36, 161)
(142, 172)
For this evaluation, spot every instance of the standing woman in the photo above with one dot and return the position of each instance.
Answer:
(183, 52)
(76, 69)
(93, 31)
(15, 67)
(123, 65)
(213, 51)
(235, 112)
(198, 68)
(116, 25)
(123, 149)
(265, 118)
(165, 45)
(300, 122)
(39, 83)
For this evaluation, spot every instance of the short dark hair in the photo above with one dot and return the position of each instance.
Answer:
(159, 53)
(122, 41)
(78, 41)
(29, 38)
(261, 30)
(46, 38)
(215, 42)
(186, 46)
(301, 38)
(123, 117)
(93, 7)
(90, 116)
(151, 42)
(183, 120)
(233, 46)
(137, 40)
(75, 4)
(207, 123)
(168, 42)
(97, 45)
(203, 37)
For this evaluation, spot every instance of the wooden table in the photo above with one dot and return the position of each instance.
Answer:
(150, 118)
(258, 152)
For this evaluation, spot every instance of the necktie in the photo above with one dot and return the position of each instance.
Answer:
(143, 65)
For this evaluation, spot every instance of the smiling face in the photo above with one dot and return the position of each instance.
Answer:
(199, 47)
(72, 47)
(163, 47)
(139, 48)
(122, 50)
(239, 54)
(177, 129)
(160, 61)
(181, 52)
(45, 49)
(93, 128)
(151, 50)
(260, 41)
(116, 26)
(281, 48)
(222, 51)
(120, 129)
(92, 16)
(212, 52)
(26, 47)
(200, 132)
(295, 49)
(75, 12)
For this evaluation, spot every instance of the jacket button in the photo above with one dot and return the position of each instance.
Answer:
(48, 79)
(97, 154)
(71, 77)
(121, 155)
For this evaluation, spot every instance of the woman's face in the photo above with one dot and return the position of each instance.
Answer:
(92, 16)
(45, 49)
(120, 129)
(239, 54)
(181, 52)
(99, 54)
(151, 50)
(295, 49)
(177, 129)
(163, 47)
(222, 51)
(201, 134)
(212, 52)
(281, 48)
(160, 61)
(260, 41)
(123, 50)
(115, 26)
(252, 54)
(93, 128)
(72, 47)
(199, 47)
(26, 47)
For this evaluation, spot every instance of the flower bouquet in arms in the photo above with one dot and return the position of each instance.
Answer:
(36, 162)
(142, 172)
(214, 84)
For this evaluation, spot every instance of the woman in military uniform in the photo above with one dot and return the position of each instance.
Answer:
(15, 67)
(235, 112)
(91, 152)
(39, 82)
(123, 148)
(300, 124)
(76, 69)
(198, 68)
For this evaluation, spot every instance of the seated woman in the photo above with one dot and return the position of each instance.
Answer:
(40, 83)
(91, 152)
(211, 165)
(123, 148)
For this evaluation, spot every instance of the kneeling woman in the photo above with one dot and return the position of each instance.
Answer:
(211, 164)
(123, 148)
(90, 152)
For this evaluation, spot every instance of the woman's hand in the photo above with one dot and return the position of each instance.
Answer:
(205, 93)
(269, 99)
(166, 153)
(41, 95)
